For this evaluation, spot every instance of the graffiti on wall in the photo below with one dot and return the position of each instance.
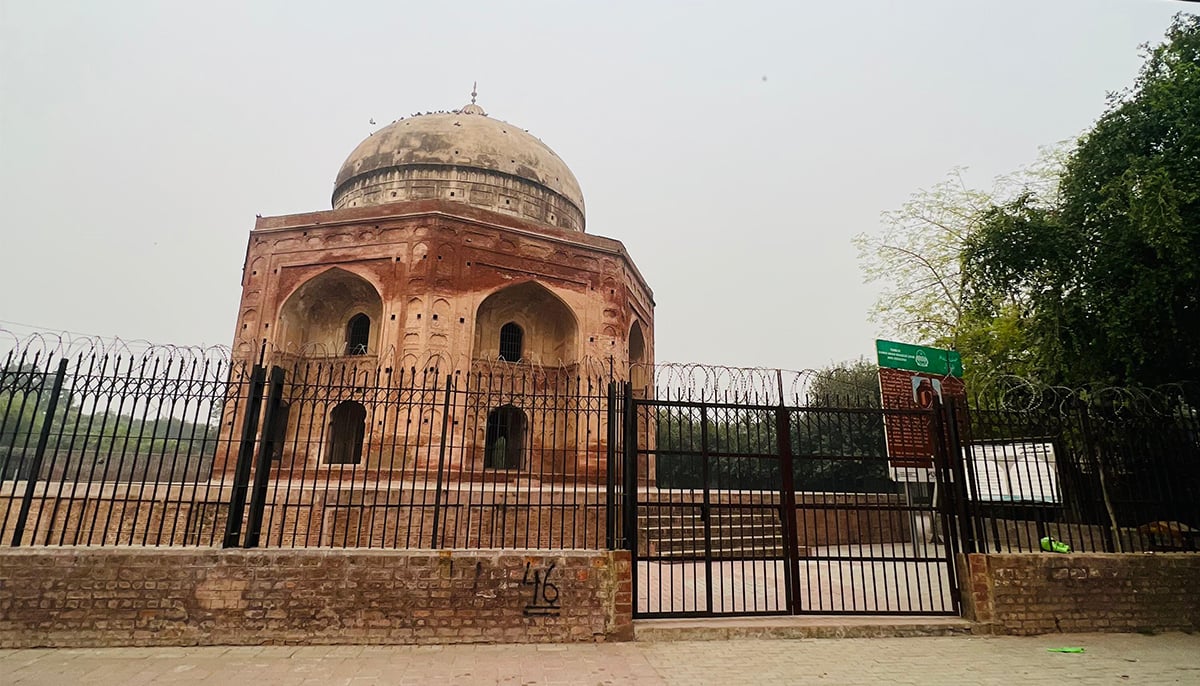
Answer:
(545, 600)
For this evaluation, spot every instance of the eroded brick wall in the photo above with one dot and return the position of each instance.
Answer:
(1042, 593)
(135, 596)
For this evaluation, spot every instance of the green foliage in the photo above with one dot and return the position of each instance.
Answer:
(1103, 280)
(1082, 270)
(917, 257)
(849, 384)
(835, 446)
(144, 427)
(916, 260)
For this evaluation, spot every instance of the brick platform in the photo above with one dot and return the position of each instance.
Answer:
(1043, 593)
(84, 597)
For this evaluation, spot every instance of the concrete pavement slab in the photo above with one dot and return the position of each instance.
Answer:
(923, 661)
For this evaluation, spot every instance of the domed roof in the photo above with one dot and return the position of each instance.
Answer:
(466, 139)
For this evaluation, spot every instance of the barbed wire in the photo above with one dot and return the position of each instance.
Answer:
(698, 381)
(44, 345)
(1011, 392)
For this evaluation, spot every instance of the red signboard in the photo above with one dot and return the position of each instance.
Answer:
(910, 437)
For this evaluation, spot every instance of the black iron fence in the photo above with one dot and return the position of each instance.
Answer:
(112, 447)
(1101, 474)
(157, 446)
(783, 509)
(501, 456)
(176, 446)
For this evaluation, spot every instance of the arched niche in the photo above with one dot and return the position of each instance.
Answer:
(327, 313)
(548, 326)
(639, 372)
(504, 439)
(347, 429)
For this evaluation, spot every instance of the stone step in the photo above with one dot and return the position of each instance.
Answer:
(700, 523)
(716, 514)
(718, 530)
(802, 626)
(665, 522)
(723, 554)
(745, 541)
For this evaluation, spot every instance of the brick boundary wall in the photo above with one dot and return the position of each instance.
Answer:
(123, 596)
(1034, 593)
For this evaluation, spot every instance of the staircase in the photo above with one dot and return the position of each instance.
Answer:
(736, 535)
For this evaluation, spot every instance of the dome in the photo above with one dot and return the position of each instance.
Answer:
(462, 156)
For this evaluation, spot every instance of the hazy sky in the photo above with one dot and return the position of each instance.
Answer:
(734, 147)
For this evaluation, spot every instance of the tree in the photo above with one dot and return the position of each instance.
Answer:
(835, 446)
(1105, 277)
(140, 426)
(918, 259)
(847, 384)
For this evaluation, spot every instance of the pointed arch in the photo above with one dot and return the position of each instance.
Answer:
(504, 439)
(639, 372)
(347, 429)
(335, 311)
(549, 328)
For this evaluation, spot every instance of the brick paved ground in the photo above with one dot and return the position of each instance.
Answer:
(1110, 659)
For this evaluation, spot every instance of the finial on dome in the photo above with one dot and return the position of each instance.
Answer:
(472, 108)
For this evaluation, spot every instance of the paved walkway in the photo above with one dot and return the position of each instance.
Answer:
(1109, 659)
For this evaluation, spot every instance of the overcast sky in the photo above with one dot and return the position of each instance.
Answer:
(734, 147)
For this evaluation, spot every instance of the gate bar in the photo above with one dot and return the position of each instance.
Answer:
(241, 474)
(706, 510)
(631, 506)
(437, 494)
(266, 452)
(39, 453)
(787, 515)
(610, 470)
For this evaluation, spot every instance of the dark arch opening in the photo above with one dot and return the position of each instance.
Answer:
(639, 374)
(279, 433)
(512, 342)
(504, 442)
(358, 334)
(347, 428)
(315, 319)
(548, 325)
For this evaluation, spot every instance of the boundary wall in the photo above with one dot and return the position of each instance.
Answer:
(123, 596)
(1031, 593)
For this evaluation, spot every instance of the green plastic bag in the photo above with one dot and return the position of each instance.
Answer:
(1053, 545)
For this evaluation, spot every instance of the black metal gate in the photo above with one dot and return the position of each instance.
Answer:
(743, 509)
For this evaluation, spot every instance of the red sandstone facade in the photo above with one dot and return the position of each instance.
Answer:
(436, 278)
(456, 246)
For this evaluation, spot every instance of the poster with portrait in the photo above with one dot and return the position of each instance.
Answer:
(908, 426)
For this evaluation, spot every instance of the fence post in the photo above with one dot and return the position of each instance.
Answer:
(266, 451)
(1112, 541)
(39, 453)
(957, 486)
(437, 495)
(787, 504)
(631, 475)
(241, 473)
(610, 470)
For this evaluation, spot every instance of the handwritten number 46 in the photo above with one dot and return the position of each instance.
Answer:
(545, 594)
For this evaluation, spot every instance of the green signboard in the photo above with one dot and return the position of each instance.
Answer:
(918, 358)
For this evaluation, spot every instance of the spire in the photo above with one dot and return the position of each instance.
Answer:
(472, 108)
